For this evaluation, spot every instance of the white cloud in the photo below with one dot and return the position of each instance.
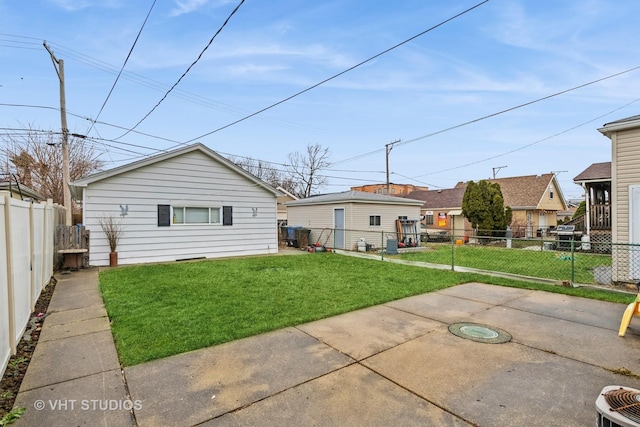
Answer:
(187, 6)
(76, 5)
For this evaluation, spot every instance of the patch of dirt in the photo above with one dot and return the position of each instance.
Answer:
(17, 366)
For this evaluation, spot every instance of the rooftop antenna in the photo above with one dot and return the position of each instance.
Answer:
(496, 170)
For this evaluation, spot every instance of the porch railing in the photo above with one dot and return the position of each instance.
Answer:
(600, 217)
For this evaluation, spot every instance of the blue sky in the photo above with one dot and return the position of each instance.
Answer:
(500, 55)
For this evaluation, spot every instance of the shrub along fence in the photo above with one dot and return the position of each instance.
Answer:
(26, 264)
(548, 258)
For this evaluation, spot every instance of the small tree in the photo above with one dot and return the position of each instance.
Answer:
(581, 210)
(483, 206)
(112, 229)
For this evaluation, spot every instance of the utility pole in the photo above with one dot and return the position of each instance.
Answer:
(58, 64)
(496, 170)
(388, 147)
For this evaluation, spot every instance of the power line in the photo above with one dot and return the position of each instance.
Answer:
(532, 143)
(409, 141)
(98, 122)
(415, 180)
(187, 70)
(179, 93)
(339, 74)
(156, 85)
(123, 65)
(526, 104)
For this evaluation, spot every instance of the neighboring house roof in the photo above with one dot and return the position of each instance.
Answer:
(77, 187)
(353, 197)
(622, 124)
(26, 191)
(525, 192)
(450, 198)
(519, 192)
(595, 172)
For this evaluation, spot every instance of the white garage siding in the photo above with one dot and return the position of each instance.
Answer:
(192, 179)
(317, 213)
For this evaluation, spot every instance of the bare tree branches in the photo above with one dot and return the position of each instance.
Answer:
(260, 169)
(302, 176)
(305, 169)
(36, 159)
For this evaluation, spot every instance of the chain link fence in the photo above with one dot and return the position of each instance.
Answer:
(552, 257)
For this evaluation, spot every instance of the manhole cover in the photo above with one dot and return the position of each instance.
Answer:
(480, 333)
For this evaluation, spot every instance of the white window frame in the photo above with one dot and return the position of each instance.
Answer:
(185, 207)
(379, 220)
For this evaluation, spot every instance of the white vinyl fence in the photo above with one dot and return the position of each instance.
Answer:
(26, 265)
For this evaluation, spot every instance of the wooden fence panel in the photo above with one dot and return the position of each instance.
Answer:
(73, 237)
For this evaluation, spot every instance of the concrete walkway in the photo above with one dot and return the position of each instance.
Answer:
(74, 368)
(392, 364)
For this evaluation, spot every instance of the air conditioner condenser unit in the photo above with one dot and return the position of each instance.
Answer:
(618, 406)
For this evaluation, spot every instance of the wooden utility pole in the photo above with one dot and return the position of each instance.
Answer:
(58, 64)
(388, 148)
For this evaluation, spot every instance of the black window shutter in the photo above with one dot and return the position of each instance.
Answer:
(164, 215)
(227, 215)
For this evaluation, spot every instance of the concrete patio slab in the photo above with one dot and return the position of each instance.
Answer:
(439, 307)
(586, 311)
(94, 400)
(70, 358)
(363, 333)
(570, 339)
(351, 396)
(496, 384)
(194, 387)
(489, 294)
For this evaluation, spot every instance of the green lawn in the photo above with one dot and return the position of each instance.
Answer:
(165, 309)
(545, 264)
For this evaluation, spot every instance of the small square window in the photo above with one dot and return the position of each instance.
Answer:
(374, 220)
